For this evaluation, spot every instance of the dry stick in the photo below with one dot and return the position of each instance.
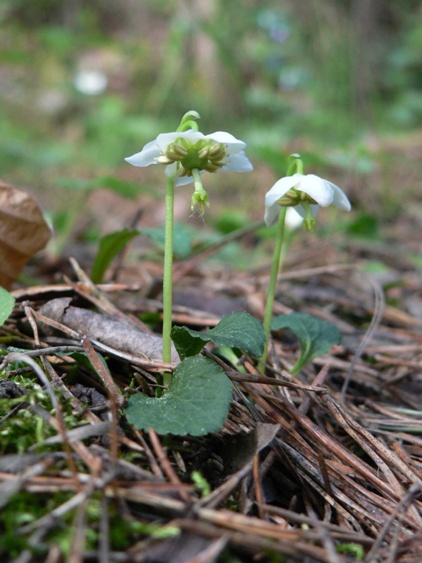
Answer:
(374, 324)
(88, 290)
(321, 436)
(257, 484)
(317, 382)
(166, 465)
(59, 413)
(103, 372)
(403, 505)
(310, 474)
(116, 400)
(223, 491)
(380, 453)
(153, 463)
(211, 552)
(10, 487)
(77, 546)
(326, 539)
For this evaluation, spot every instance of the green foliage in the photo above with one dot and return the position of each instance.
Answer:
(7, 302)
(110, 246)
(364, 226)
(315, 335)
(196, 401)
(352, 549)
(183, 239)
(201, 483)
(237, 330)
(25, 508)
(230, 221)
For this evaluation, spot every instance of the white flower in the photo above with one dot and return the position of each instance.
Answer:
(294, 191)
(183, 151)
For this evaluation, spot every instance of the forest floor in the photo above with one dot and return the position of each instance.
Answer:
(323, 467)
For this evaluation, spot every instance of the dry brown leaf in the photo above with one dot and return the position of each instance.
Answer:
(23, 232)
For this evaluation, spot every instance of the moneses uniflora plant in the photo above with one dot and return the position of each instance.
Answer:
(186, 154)
(305, 193)
(198, 393)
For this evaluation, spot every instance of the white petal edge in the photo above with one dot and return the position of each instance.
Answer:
(146, 157)
(281, 187)
(320, 190)
(234, 144)
(271, 214)
(340, 200)
(238, 163)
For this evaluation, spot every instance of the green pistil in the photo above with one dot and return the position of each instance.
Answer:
(199, 197)
(309, 220)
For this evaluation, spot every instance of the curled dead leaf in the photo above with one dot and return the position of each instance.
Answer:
(23, 232)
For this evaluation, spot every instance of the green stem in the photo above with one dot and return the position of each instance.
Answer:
(275, 269)
(168, 273)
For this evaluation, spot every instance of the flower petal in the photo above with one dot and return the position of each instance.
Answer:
(281, 187)
(170, 172)
(238, 163)
(293, 218)
(320, 190)
(146, 157)
(271, 214)
(233, 145)
(340, 200)
(302, 211)
(183, 180)
(165, 139)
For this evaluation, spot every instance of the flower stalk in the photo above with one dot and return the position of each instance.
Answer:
(168, 271)
(305, 194)
(185, 154)
(275, 270)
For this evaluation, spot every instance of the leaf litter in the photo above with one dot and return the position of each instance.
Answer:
(310, 468)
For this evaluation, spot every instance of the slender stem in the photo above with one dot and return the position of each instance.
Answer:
(168, 272)
(275, 268)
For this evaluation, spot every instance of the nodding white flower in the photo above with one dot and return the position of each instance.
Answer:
(303, 192)
(182, 152)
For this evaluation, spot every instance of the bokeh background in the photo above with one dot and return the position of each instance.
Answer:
(84, 83)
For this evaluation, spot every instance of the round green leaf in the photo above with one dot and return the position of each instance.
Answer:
(315, 335)
(196, 402)
(237, 330)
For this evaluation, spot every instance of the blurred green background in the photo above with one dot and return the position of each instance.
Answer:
(85, 83)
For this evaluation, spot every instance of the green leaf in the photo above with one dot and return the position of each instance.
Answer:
(110, 246)
(196, 401)
(315, 335)
(237, 330)
(7, 302)
(182, 239)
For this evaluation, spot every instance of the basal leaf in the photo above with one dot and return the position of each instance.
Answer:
(196, 402)
(110, 246)
(7, 302)
(315, 335)
(237, 330)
